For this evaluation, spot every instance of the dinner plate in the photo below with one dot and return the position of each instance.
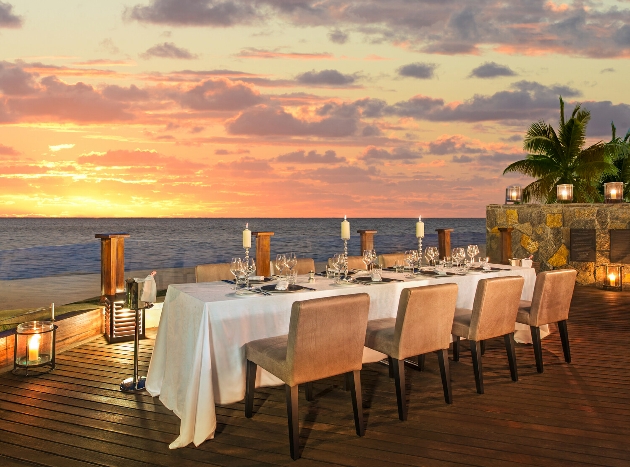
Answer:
(272, 288)
(244, 294)
(368, 280)
(345, 284)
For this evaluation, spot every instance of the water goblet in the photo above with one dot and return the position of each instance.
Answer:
(367, 258)
(472, 250)
(281, 264)
(458, 255)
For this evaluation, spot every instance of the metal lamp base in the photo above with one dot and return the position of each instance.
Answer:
(130, 385)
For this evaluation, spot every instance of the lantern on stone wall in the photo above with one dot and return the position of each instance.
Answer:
(513, 194)
(564, 192)
(34, 349)
(613, 277)
(613, 192)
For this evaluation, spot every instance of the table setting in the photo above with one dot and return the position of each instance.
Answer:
(198, 359)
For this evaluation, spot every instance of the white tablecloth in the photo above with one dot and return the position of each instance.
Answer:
(198, 359)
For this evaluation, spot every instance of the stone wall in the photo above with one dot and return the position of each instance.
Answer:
(543, 230)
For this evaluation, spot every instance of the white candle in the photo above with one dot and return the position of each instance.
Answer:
(33, 348)
(247, 237)
(419, 228)
(564, 194)
(613, 194)
(345, 229)
(52, 311)
(612, 279)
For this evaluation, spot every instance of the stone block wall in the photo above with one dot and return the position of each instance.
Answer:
(543, 230)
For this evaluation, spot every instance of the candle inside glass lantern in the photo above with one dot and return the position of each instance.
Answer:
(33, 348)
(513, 194)
(613, 277)
(564, 192)
(613, 192)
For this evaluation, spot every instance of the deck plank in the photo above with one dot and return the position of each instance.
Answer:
(576, 414)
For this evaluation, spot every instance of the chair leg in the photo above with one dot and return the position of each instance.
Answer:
(309, 391)
(535, 330)
(564, 336)
(456, 348)
(399, 379)
(354, 382)
(390, 361)
(446, 375)
(511, 353)
(292, 415)
(421, 362)
(250, 384)
(475, 348)
(483, 347)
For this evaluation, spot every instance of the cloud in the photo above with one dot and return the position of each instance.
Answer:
(140, 159)
(301, 157)
(374, 154)
(108, 46)
(225, 152)
(325, 78)
(418, 70)
(7, 18)
(338, 36)
(132, 93)
(608, 70)
(345, 174)
(220, 94)
(246, 167)
(462, 159)
(59, 147)
(252, 52)
(59, 101)
(14, 81)
(268, 121)
(8, 151)
(168, 50)
(491, 70)
(194, 13)
(105, 62)
(449, 144)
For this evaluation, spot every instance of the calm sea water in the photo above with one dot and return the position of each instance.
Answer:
(45, 247)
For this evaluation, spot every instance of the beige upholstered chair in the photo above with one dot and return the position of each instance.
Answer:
(304, 266)
(388, 260)
(550, 304)
(213, 272)
(494, 310)
(325, 339)
(423, 324)
(354, 262)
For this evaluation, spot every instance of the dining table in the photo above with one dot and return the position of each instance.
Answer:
(198, 359)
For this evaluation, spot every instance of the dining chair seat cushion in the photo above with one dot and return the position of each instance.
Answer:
(271, 354)
(461, 322)
(380, 336)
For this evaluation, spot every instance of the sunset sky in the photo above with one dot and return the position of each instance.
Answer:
(291, 108)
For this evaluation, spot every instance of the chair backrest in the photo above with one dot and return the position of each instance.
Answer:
(388, 260)
(326, 336)
(304, 266)
(354, 262)
(552, 296)
(425, 319)
(495, 307)
(213, 272)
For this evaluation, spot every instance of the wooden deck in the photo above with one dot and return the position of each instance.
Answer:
(576, 414)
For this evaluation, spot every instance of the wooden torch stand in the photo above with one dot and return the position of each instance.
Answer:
(506, 244)
(367, 239)
(263, 253)
(444, 242)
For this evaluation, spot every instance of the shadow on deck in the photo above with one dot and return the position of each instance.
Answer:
(576, 414)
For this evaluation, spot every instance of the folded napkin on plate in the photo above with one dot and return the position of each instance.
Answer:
(282, 285)
(256, 278)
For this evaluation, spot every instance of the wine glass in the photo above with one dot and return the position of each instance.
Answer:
(367, 258)
(472, 250)
(432, 253)
(458, 255)
(281, 263)
(235, 266)
(291, 261)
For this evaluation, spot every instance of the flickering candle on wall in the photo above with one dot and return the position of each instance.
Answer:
(33, 348)
(247, 237)
(612, 279)
(419, 228)
(345, 229)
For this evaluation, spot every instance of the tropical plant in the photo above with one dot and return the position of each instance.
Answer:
(619, 152)
(560, 157)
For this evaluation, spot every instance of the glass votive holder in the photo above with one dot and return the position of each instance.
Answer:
(613, 192)
(513, 194)
(613, 277)
(34, 348)
(564, 192)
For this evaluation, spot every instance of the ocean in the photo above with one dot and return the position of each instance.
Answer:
(42, 247)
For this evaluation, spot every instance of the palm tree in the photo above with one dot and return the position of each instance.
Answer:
(619, 152)
(556, 158)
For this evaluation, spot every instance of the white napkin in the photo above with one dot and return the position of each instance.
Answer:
(256, 278)
(148, 289)
(282, 285)
(526, 263)
(376, 276)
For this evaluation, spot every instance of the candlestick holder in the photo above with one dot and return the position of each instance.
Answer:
(246, 255)
(345, 258)
(419, 251)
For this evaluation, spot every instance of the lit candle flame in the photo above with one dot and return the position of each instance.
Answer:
(247, 225)
(419, 218)
(612, 279)
(33, 347)
(613, 193)
(564, 193)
